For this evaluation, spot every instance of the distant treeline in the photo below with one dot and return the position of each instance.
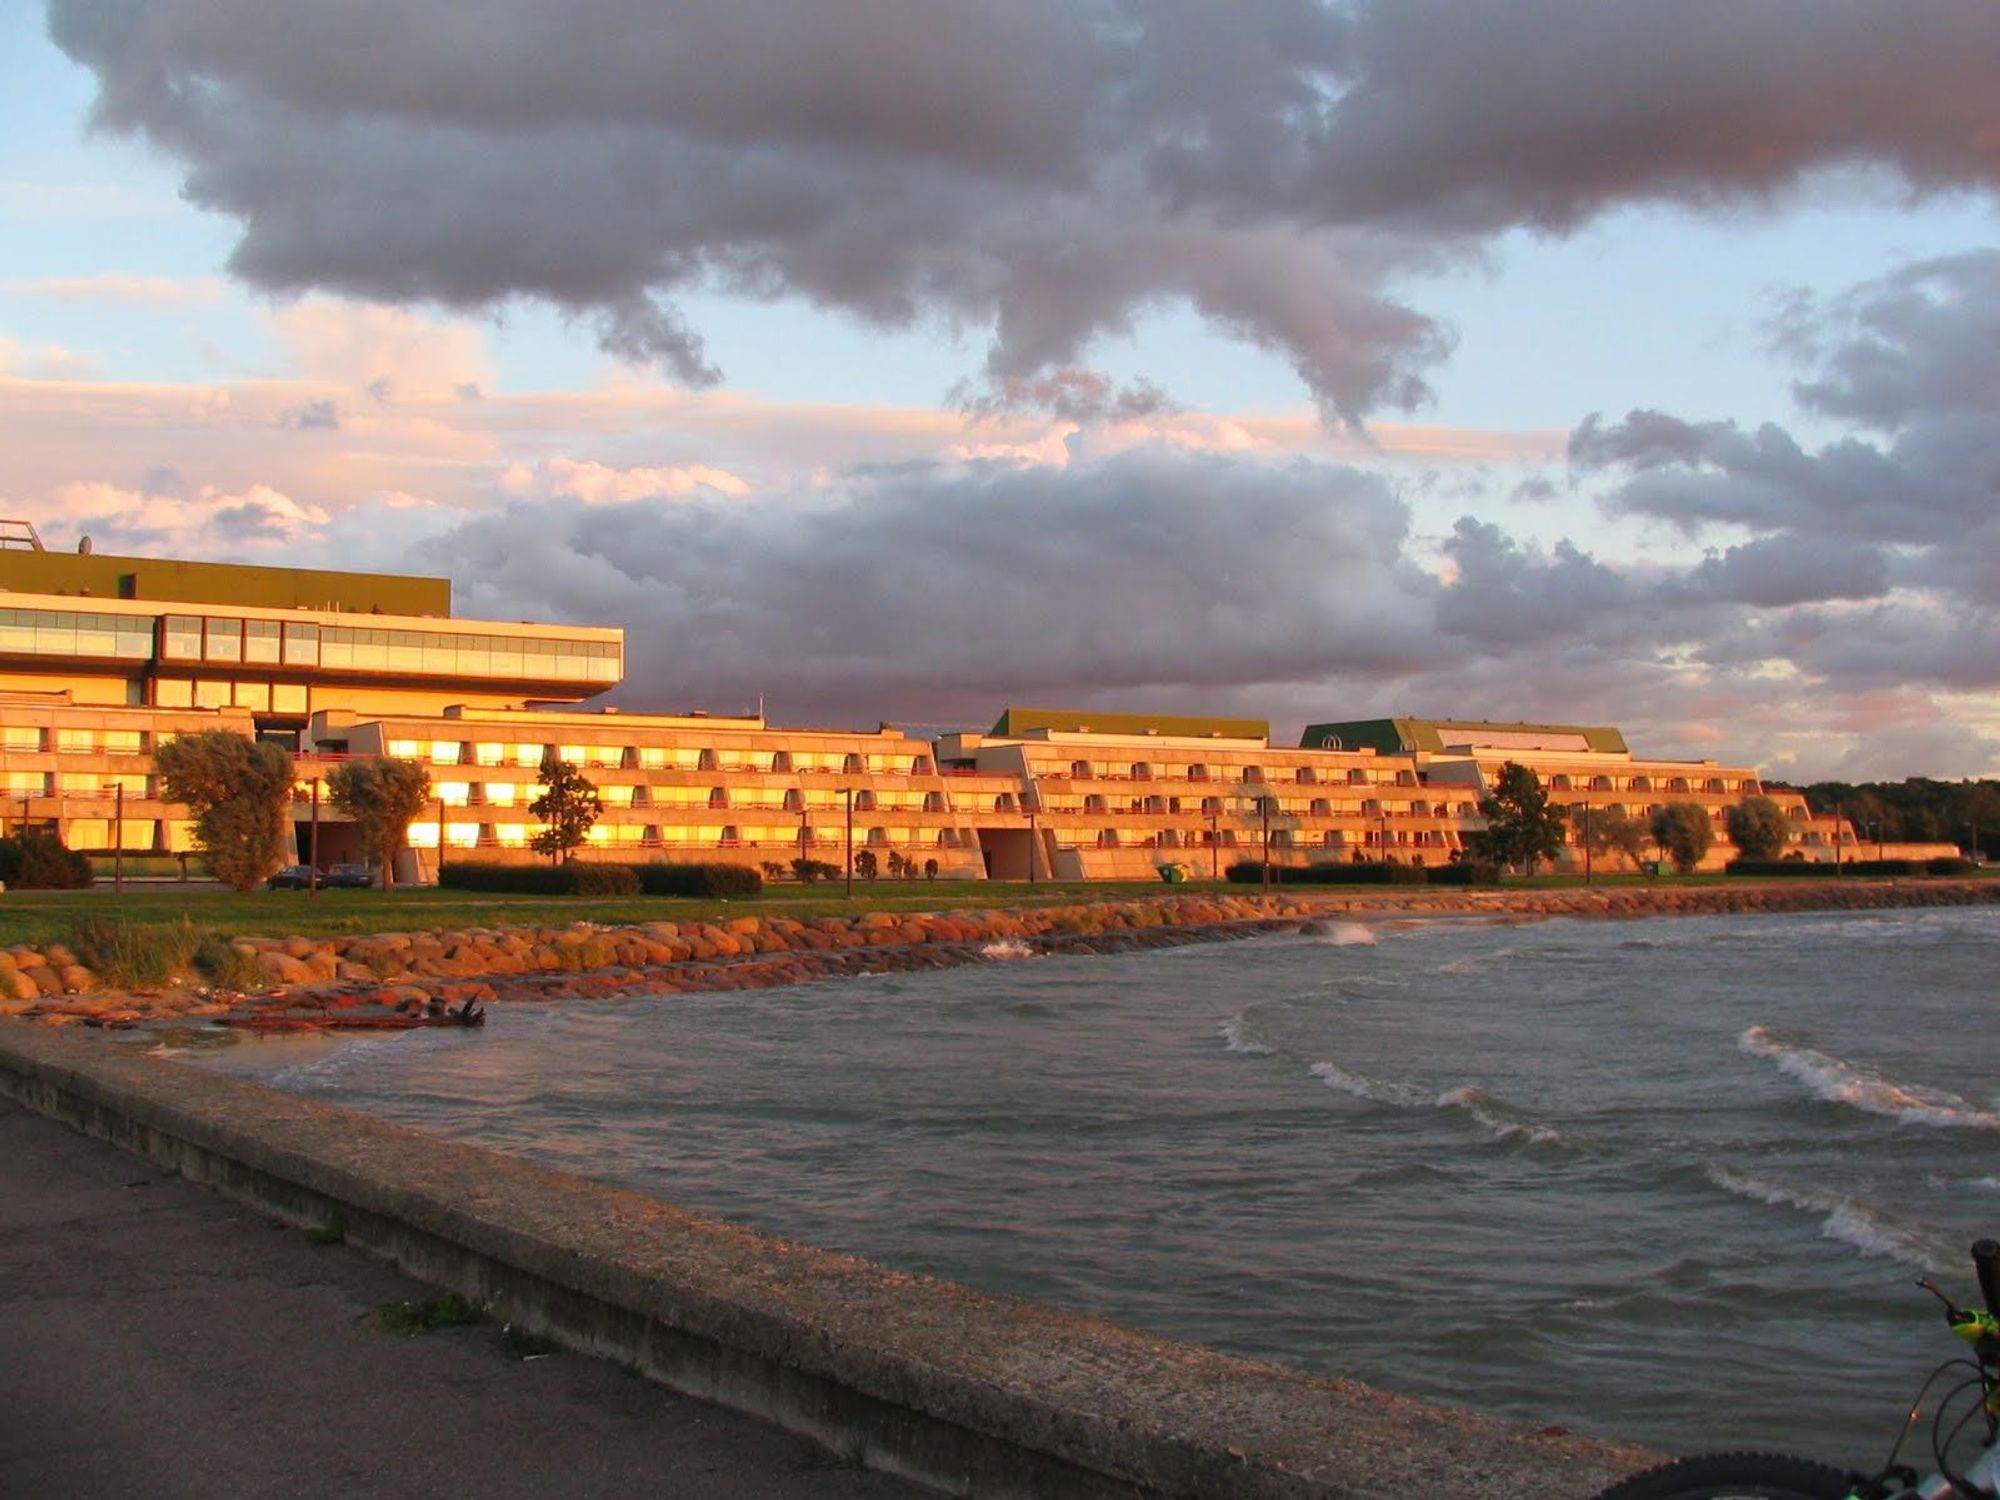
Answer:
(1915, 811)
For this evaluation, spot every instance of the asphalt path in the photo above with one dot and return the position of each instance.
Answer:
(159, 1342)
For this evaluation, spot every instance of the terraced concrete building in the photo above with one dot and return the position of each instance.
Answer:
(102, 658)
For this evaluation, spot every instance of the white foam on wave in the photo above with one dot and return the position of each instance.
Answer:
(1497, 1118)
(1376, 1090)
(1008, 948)
(1841, 1218)
(1862, 1088)
(1231, 1032)
(1341, 934)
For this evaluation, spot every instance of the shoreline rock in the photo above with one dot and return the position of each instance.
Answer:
(401, 979)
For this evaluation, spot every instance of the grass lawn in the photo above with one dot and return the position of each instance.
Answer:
(42, 916)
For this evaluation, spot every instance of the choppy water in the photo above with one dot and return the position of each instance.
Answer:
(1668, 1180)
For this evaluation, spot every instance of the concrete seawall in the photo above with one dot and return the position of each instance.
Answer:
(971, 1393)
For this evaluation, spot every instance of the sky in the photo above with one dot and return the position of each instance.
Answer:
(1559, 360)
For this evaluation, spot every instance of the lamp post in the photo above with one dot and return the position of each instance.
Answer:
(118, 838)
(850, 843)
(440, 858)
(1836, 838)
(312, 864)
(1034, 842)
(1586, 843)
(1264, 810)
(1972, 842)
(1214, 847)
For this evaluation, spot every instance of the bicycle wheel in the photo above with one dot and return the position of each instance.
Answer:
(1735, 1476)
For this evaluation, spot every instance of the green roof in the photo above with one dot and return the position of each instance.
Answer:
(108, 577)
(1403, 736)
(1016, 722)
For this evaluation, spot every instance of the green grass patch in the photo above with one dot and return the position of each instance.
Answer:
(445, 1310)
(132, 955)
(218, 960)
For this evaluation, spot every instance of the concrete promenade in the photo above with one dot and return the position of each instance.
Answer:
(972, 1393)
(158, 1342)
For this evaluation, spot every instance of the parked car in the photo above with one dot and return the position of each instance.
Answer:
(291, 878)
(349, 877)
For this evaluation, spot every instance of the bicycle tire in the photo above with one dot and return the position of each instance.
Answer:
(1736, 1476)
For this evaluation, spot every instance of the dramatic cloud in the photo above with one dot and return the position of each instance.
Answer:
(1915, 356)
(1047, 170)
(928, 590)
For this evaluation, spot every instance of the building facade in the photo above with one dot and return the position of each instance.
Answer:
(104, 658)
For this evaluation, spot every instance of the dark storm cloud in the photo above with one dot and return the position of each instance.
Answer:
(926, 586)
(1047, 169)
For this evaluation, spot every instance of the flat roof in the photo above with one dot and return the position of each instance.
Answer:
(167, 581)
(1441, 736)
(1017, 723)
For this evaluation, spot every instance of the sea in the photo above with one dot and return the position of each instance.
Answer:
(1666, 1180)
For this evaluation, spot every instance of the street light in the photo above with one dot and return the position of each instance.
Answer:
(850, 843)
(117, 789)
(312, 864)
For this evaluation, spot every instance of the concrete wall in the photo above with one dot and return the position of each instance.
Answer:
(978, 1395)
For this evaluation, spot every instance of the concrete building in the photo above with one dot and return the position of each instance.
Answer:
(102, 658)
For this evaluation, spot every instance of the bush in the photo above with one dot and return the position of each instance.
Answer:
(1785, 867)
(603, 880)
(813, 871)
(35, 861)
(1251, 872)
(1947, 865)
(1465, 872)
(716, 882)
(130, 955)
(519, 880)
(217, 958)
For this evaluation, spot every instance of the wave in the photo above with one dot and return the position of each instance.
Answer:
(1340, 934)
(1862, 1088)
(1499, 1119)
(1007, 948)
(1375, 1090)
(1231, 1032)
(1841, 1218)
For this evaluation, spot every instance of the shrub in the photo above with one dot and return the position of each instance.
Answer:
(1948, 865)
(603, 880)
(520, 880)
(813, 871)
(715, 882)
(37, 861)
(1251, 872)
(130, 955)
(218, 959)
(1465, 872)
(1784, 867)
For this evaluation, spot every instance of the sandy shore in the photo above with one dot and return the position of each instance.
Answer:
(394, 980)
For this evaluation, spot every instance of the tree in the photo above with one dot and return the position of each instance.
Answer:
(382, 795)
(567, 807)
(1521, 827)
(1758, 827)
(1604, 831)
(866, 865)
(238, 790)
(1683, 831)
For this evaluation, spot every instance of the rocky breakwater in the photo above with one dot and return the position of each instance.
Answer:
(391, 980)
